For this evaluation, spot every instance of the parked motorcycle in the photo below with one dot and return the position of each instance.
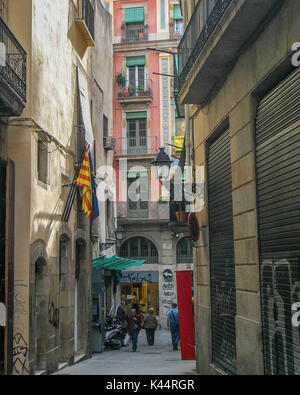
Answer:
(115, 332)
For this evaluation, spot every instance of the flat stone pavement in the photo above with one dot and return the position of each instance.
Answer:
(159, 359)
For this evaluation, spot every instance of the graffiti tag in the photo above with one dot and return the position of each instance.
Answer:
(20, 353)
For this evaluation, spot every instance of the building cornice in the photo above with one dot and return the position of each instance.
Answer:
(158, 44)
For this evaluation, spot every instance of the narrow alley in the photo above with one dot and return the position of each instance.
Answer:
(157, 360)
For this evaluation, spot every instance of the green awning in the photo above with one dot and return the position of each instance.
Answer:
(136, 115)
(115, 263)
(135, 61)
(135, 14)
(177, 12)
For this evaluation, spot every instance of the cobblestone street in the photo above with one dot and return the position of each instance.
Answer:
(157, 360)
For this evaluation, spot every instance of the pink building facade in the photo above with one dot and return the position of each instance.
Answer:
(146, 34)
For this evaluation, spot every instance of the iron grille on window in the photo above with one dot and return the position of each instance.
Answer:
(140, 248)
(184, 251)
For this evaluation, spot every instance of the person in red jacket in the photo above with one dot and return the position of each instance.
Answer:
(134, 325)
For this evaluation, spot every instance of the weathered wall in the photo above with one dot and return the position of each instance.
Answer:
(236, 102)
(44, 27)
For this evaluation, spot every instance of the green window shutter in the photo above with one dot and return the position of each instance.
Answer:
(136, 115)
(177, 12)
(135, 61)
(135, 14)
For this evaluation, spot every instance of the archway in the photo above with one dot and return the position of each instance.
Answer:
(81, 296)
(140, 287)
(40, 313)
(64, 290)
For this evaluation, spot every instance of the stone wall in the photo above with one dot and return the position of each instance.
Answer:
(236, 103)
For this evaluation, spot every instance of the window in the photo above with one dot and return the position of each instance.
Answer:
(136, 73)
(178, 21)
(138, 194)
(42, 159)
(105, 126)
(137, 133)
(184, 251)
(162, 14)
(134, 23)
(140, 248)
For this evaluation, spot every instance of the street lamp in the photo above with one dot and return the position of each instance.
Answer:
(119, 232)
(162, 164)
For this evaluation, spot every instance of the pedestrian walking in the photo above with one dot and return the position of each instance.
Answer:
(121, 315)
(134, 326)
(173, 325)
(150, 325)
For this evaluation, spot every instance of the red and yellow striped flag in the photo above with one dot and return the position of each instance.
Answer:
(84, 180)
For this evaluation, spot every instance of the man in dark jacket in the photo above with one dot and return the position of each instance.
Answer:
(150, 324)
(134, 326)
(121, 315)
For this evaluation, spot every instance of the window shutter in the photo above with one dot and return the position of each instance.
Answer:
(135, 14)
(135, 61)
(136, 115)
(177, 12)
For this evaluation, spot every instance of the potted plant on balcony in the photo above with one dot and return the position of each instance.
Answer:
(130, 90)
(120, 79)
(162, 200)
(141, 91)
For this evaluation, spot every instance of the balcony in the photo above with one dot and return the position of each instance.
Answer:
(149, 212)
(176, 30)
(12, 73)
(86, 21)
(134, 32)
(130, 93)
(214, 36)
(136, 146)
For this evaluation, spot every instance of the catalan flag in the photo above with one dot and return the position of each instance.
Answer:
(86, 179)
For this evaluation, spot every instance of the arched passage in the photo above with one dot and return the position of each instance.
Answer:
(40, 313)
(65, 287)
(81, 296)
(140, 287)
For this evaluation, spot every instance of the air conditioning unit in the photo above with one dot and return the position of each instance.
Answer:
(109, 143)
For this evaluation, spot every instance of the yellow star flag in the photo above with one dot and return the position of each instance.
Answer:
(84, 180)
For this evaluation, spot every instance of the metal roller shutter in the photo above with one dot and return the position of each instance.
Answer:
(222, 268)
(278, 190)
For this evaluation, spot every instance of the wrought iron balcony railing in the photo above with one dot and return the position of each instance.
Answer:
(134, 33)
(204, 20)
(136, 146)
(176, 30)
(143, 210)
(12, 61)
(142, 90)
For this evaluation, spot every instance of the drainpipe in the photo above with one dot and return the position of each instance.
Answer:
(187, 135)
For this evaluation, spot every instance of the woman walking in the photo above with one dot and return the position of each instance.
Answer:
(134, 327)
